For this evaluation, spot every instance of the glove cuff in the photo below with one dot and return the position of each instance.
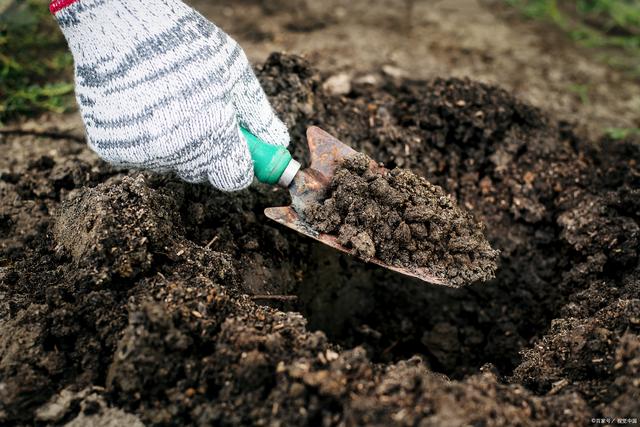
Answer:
(57, 5)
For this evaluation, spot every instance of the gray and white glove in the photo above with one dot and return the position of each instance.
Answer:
(162, 88)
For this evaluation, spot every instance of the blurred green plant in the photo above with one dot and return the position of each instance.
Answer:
(613, 24)
(582, 91)
(35, 66)
(622, 133)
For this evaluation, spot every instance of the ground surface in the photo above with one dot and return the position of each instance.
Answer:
(134, 298)
(481, 39)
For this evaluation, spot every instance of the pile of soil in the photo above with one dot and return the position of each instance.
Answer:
(135, 298)
(403, 220)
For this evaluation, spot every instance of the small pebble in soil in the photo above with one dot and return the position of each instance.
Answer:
(405, 221)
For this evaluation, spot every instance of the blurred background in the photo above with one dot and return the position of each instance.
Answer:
(580, 60)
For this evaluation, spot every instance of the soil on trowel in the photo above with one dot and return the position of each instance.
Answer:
(403, 220)
(130, 298)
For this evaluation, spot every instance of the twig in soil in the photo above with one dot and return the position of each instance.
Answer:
(390, 348)
(46, 134)
(211, 242)
(274, 298)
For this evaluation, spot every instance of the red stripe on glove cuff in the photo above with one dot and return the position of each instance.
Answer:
(57, 5)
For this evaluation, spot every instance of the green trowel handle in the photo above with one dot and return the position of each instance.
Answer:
(270, 161)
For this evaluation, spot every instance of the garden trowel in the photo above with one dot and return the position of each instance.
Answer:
(274, 165)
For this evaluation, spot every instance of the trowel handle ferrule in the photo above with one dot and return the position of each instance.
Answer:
(272, 164)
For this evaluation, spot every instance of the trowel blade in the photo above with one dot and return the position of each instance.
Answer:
(310, 185)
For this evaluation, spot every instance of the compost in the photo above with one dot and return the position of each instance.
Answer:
(132, 298)
(403, 220)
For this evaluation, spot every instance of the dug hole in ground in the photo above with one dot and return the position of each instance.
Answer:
(132, 298)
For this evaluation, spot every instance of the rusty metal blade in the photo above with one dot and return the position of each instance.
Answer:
(310, 185)
(307, 187)
(327, 152)
(287, 216)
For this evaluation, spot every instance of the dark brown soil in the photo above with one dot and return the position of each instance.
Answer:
(403, 220)
(132, 297)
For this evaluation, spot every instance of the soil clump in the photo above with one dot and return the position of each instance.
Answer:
(403, 220)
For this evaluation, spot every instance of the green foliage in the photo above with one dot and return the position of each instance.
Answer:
(582, 91)
(547, 9)
(613, 14)
(34, 62)
(622, 133)
(612, 24)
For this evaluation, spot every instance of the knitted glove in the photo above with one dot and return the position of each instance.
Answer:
(162, 88)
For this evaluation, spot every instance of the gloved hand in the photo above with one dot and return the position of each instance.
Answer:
(162, 88)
